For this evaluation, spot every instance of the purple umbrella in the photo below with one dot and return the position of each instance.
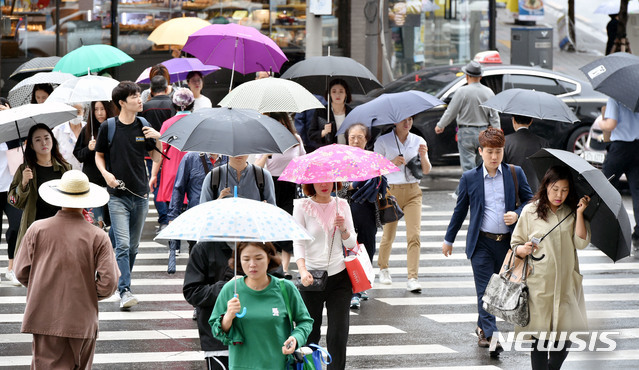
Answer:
(240, 48)
(179, 68)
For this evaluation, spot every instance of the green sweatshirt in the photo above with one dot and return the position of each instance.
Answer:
(255, 341)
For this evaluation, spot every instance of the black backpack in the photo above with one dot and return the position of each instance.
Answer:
(257, 171)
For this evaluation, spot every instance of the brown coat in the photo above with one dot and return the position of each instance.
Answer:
(26, 199)
(67, 265)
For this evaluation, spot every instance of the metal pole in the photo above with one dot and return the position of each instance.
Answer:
(57, 27)
(114, 24)
(492, 24)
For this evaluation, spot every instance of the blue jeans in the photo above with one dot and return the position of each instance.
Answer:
(128, 214)
(161, 207)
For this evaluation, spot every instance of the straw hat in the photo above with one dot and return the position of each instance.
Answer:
(73, 190)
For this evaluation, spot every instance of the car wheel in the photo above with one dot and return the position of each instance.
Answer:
(577, 140)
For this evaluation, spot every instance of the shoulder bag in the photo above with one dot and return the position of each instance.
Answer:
(508, 299)
(389, 210)
(320, 277)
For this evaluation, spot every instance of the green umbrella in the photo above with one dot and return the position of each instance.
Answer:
(92, 58)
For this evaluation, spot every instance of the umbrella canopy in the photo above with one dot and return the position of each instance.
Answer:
(615, 75)
(315, 74)
(16, 122)
(389, 109)
(93, 58)
(178, 69)
(271, 95)
(609, 222)
(531, 103)
(612, 7)
(21, 93)
(239, 48)
(234, 219)
(335, 163)
(176, 31)
(229, 131)
(84, 89)
(33, 66)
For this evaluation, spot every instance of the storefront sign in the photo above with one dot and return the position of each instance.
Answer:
(531, 10)
(321, 7)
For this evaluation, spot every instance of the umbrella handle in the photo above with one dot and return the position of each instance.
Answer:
(240, 315)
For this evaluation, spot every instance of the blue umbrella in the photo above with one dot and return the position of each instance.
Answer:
(389, 109)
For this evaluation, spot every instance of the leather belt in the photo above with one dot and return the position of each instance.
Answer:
(471, 126)
(495, 237)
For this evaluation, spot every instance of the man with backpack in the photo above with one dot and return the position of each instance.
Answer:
(253, 182)
(122, 143)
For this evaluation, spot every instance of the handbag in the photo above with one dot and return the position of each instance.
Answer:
(508, 299)
(389, 210)
(360, 269)
(320, 278)
(311, 361)
(415, 167)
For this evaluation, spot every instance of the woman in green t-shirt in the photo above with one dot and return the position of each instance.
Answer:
(263, 337)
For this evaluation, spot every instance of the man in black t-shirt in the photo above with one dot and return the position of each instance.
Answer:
(157, 110)
(121, 163)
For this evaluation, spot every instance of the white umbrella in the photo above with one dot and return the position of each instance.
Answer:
(235, 219)
(16, 122)
(21, 93)
(271, 95)
(84, 89)
(612, 7)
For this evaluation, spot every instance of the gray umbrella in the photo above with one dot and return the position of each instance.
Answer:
(616, 75)
(20, 94)
(33, 66)
(609, 222)
(531, 103)
(229, 131)
(16, 122)
(315, 74)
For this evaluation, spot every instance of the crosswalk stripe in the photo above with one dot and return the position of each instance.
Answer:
(616, 355)
(467, 269)
(472, 300)
(404, 349)
(591, 314)
(190, 334)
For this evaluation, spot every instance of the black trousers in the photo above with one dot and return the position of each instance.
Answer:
(284, 194)
(337, 297)
(14, 215)
(548, 360)
(622, 158)
(365, 226)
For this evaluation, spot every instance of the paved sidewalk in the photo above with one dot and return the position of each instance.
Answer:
(591, 43)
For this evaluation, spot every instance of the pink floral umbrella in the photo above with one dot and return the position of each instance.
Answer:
(336, 163)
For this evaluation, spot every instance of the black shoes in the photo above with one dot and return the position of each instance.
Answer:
(482, 341)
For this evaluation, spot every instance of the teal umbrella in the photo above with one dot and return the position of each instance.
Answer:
(93, 58)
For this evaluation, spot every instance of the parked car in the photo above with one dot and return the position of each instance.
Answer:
(443, 81)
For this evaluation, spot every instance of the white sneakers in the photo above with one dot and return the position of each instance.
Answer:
(12, 278)
(127, 300)
(384, 277)
(412, 285)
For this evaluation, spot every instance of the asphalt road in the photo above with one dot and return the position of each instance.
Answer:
(394, 329)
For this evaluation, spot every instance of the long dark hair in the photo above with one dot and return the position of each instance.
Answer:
(284, 119)
(30, 154)
(44, 87)
(554, 174)
(339, 81)
(111, 111)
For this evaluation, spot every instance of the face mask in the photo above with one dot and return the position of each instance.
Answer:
(76, 120)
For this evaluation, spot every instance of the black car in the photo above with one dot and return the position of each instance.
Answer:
(443, 81)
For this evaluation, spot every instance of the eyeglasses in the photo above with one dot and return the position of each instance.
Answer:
(357, 137)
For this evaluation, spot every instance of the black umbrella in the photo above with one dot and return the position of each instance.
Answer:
(316, 73)
(616, 75)
(609, 222)
(229, 131)
(531, 103)
(33, 66)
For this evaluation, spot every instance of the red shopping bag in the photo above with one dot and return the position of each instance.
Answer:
(360, 270)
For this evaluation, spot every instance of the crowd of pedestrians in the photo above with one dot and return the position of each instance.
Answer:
(118, 150)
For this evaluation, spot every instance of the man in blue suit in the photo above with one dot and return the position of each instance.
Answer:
(489, 191)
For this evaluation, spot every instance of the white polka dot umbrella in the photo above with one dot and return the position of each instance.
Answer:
(234, 219)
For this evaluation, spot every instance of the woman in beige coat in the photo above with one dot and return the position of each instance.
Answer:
(556, 299)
